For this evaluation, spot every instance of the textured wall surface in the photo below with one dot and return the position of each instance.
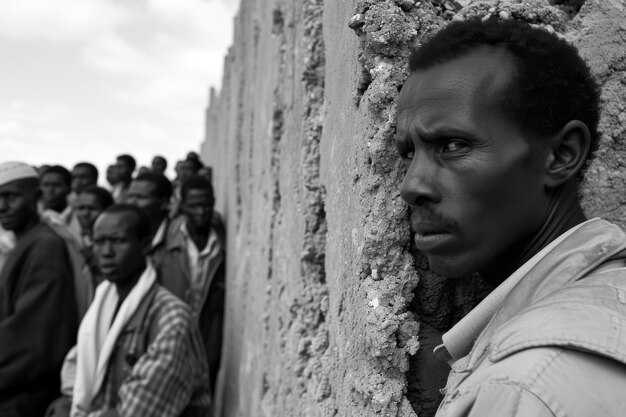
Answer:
(330, 312)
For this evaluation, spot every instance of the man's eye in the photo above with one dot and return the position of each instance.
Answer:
(409, 155)
(454, 146)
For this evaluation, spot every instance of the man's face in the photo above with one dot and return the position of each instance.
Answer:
(186, 170)
(81, 178)
(18, 205)
(198, 208)
(54, 191)
(118, 251)
(88, 208)
(124, 171)
(158, 165)
(143, 194)
(112, 175)
(475, 180)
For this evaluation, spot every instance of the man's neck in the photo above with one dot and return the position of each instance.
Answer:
(124, 288)
(563, 213)
(199, 235)
(34, 221)
(59, 209)
(155, 224)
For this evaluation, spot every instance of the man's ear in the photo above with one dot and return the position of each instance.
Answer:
(567, 153)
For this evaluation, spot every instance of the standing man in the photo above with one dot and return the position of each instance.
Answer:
(90, 202)
(38, 313)
(193, 265)
(124, 167)
(84, 174)
(497, 136)
(56, 184)
(138, 351)
(151, 192)
(159, 164)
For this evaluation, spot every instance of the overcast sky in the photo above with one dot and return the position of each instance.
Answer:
(89, 79)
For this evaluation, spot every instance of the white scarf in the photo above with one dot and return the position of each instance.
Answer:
(97, 337)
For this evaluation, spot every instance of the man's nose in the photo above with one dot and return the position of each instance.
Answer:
(420, 182)
(107, 249)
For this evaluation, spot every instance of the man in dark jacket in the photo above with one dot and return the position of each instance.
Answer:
(192, 266)
(38, 313)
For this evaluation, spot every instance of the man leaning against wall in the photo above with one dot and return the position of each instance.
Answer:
(497, 123)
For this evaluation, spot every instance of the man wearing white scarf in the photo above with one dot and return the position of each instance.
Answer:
(139, 352)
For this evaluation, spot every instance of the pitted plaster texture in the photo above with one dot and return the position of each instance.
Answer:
(330, 311)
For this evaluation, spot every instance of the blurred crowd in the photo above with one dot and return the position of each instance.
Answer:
(111, 298)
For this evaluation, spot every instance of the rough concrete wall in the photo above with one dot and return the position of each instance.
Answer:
(329, 310)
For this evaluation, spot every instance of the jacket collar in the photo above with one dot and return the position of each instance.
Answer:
(565, 260)
(177, 239)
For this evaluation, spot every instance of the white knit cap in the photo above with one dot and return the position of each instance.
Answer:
(11, 171)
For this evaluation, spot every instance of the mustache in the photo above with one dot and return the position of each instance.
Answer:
(426, 215)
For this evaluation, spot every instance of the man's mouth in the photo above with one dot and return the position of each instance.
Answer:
(107, 269)
(429, 237)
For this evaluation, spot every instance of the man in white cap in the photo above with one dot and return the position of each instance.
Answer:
(38, 313)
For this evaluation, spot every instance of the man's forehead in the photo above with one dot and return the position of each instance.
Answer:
(118, 222)
(140, 185)
(483, 70)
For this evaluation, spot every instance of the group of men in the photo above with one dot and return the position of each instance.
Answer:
(497, 121)
(111, 301)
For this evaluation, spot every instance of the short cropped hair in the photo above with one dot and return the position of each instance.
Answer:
(102, 195)
(553, 84)
(196, 182)
(142, 224)
(160, 158)
(66, 176)
(129, 160)
(91, 167)
(163, 186)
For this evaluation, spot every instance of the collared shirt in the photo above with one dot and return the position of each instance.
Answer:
(159, 236)
(200, 263)
(458, 341)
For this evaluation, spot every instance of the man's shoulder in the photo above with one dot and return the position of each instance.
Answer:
(585, 316)
(167, 309)
(41, 236)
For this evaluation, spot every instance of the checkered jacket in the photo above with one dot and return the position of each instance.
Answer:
(158, 367)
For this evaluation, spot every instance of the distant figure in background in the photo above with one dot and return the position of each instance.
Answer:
(138, 351)
(159, 164)
(143, 169)
(206, 172)
(56, 184)
(84, 174)
(152, 192)
(185, 169)
(125, 165)
(112, 177)
(38, 312)
(90, 202)
(193, 265)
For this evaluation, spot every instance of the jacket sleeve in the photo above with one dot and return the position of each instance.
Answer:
(496, 399)
(163, 381)
(42, 327)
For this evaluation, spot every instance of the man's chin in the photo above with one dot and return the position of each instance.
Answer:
(449, 268)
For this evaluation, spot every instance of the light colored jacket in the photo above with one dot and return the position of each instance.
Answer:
(557, 346)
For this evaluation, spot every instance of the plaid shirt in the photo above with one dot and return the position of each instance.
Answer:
(169, 378)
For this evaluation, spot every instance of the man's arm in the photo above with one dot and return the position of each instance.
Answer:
(42, 328)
